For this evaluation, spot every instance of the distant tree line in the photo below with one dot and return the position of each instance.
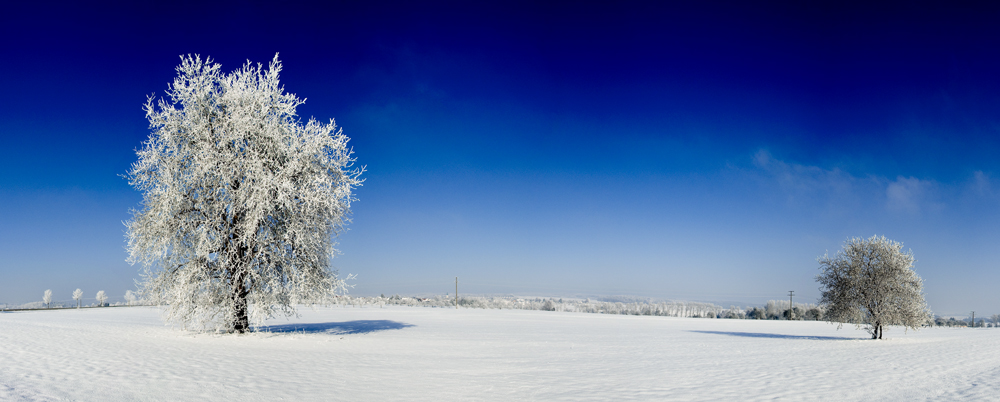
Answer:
(772, 310)
(623, 305)
(101, 299)
(778, 310)
(992, 322)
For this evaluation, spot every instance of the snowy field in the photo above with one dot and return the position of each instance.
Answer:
(435, 354)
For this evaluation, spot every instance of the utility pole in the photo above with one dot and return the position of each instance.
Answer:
(790, 310)
(456, 293)
(973, 319)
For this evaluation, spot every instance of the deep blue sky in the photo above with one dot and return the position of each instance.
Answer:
(706, 151)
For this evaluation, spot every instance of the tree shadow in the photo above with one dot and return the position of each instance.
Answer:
(336, 328)
(778, 336)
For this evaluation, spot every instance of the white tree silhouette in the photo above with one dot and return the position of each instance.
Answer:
(871, 282)
(77, 295)
(241, 201)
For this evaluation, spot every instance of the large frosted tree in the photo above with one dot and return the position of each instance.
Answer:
(241, 200)
(871, 282)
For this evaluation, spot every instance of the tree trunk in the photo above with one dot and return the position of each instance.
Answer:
(241, 321)
(238, 286)
(876, 330)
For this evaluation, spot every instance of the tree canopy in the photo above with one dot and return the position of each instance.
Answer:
(871, 282)
(241, 201)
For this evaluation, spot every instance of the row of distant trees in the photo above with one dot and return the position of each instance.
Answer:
(101, 297)
(772, 310)
(655, 308)
(992, 322)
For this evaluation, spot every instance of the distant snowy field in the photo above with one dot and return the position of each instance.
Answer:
(435, 354)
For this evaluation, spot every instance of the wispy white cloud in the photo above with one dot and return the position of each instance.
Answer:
(840, 190)
(800, 177)
(910, 195)
(802, 184)
(981, 184)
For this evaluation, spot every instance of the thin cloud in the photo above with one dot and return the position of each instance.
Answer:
(840, 190)
(981, 184)
(802, 184)
(802, 178)
(909, 195)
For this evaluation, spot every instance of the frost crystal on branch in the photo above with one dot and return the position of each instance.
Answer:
(241, 201)
(872, 282)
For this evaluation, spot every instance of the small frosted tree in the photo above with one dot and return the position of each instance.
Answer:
(78, 296)
(241, 201)
(47, 298)
(129, 297)
(101, 298)
(871, 282)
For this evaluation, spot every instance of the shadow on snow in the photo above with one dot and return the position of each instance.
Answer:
(779, 336)
(336, 328)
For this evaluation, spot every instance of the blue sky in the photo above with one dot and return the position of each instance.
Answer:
(700, 152)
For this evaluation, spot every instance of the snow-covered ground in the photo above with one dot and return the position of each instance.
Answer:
(435, 354)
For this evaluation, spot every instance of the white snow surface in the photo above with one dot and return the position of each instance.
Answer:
(437, 354)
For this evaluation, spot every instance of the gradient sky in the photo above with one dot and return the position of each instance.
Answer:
(705, 151)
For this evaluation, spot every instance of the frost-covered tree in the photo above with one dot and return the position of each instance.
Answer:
(757, 313)
(814, 314)
(101, 298)
(78, 295)
(241, 201)
(47, 298)
(871, 282)
(129, 297)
